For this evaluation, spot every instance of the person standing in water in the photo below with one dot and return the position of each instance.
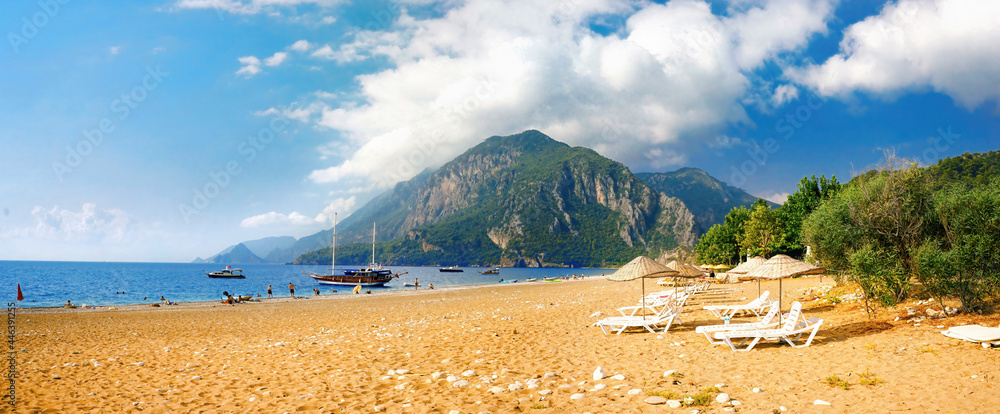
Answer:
(416, 283)
(291, 290)
(269, 296)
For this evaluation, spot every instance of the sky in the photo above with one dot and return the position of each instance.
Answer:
(170, 129)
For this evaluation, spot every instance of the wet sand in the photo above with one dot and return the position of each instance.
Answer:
(394, 352)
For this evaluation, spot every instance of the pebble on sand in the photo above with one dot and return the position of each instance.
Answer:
(674, 403)
(722, 398)
(618, 377)
(545, 392)
(469, 373)
(461, 384)
(576, 396)
(821, 402)
(599, 374)
(669, 373)
(496, 390)
(655, 400)
(635, 391)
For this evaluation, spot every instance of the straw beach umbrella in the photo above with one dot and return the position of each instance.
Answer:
(641, 267)
(684, 270)
(747, 266)
(780, 267)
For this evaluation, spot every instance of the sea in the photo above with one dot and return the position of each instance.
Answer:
(51, 284)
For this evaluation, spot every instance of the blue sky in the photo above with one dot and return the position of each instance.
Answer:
(165, 130)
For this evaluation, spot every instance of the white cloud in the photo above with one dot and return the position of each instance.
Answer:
(251, 66)
(667, 82)
(274, 219)
(784, 94)
(300, 46)
(90, 224)
(777, 197)
(344, 206)
(950, 46)
(725, 141)
(329, 20)
(294, 111)
(276, 59)
(114, 50)
(268, 7)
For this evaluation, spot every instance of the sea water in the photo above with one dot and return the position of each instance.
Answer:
(108, 284)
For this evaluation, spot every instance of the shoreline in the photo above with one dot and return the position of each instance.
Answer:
(275, 299)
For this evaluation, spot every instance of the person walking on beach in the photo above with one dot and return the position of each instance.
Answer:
(291, 290)
(269, 296)
(416, 283)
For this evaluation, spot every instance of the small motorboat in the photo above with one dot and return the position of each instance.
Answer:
(531, 280)
(491, 271)
(227, 273)
(450, 269)
(508, 281)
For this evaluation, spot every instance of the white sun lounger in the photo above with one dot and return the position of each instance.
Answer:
(618, 324)
(656, 304)
(767, 321)
(793, 326)
(755, 306)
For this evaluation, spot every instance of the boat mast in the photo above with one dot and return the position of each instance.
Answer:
(373, 242)
(333, 256)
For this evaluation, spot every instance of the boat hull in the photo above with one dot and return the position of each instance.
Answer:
(353, 280)
(450, 270)
(227, 276)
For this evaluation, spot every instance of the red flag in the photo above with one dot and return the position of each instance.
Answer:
(20, 296)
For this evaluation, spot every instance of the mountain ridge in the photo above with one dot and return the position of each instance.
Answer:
(502, 187)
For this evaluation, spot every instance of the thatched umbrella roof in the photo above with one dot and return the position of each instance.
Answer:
(748, 265)
(685, 270)
(782, 266)
(641, 267)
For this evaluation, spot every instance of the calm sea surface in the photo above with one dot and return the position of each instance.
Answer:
(103, 284)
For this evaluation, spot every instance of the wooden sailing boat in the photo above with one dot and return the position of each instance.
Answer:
(373, 275)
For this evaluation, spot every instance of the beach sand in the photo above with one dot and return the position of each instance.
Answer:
(336, 354)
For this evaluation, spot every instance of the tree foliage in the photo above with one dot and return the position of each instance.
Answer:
(721, 244)
(965, 262)
(810, 194)
(762, 232)
(897, 223)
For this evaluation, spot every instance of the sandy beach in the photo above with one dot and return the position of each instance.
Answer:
(395, 353)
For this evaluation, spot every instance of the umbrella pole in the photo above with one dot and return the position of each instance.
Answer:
(644, 299)
(779, 303)
(758, 287)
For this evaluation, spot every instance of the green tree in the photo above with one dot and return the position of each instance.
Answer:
(966, 264)
(762, 232)
(721, 243)
(831, 233)
(810, 194)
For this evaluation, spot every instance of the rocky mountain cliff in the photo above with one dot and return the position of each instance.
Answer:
(525, 200)
(708, 198)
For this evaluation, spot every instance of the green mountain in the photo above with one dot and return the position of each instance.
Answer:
(519, 200)
(238, 254)
(708, 198)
